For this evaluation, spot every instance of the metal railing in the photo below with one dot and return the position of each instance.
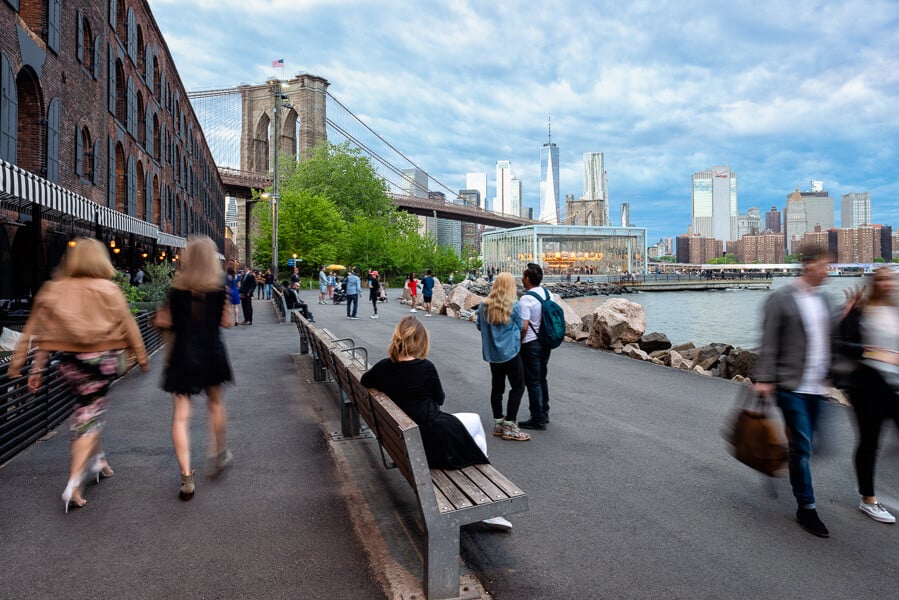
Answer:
(26, 417)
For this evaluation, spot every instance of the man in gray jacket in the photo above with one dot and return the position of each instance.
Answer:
(794, 360)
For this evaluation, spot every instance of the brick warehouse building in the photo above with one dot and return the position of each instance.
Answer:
(97, 138)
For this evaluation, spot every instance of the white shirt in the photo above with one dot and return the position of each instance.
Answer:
(532, 311)
(816, 321)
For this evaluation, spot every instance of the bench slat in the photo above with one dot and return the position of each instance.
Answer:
(449, 489)
(483, 482)
(443, 504)
(500, 480)
(468, 487)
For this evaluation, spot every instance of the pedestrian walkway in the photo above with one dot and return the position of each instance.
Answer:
(276, 524)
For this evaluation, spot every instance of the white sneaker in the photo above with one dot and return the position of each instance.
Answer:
(427, 314)
(413, 310)
(876, 512)
(375, 317)
(498, 523)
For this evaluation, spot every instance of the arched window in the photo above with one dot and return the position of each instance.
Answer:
(84, 154)
(52, 136)
(85, 49)
(141, 191)
(121, 180)
(141, 121)
(157, 142)
(121, 22)
(9, 113)
(141, 51)
(30, 139)
(121, 94)
(156, 217)
(157, 80)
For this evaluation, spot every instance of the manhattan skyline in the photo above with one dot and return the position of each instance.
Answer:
(783, 94)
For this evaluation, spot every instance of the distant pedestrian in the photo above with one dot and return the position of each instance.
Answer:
(412, 284)
(499, 321)
(332, 283)
(294, 302)
(534, 356)
(374, 292)
(269, 281)
(232, 283)
(353, 289)
(295, 276)
(247, 287)
(427, 291)
(84, 316)
(869, 333)
(794, 360)
(260, 284)
(322, 285)
(138, 278)
(198, 362)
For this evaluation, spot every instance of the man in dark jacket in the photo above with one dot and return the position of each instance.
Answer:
(247, 287)
(794, 360)
(294, 302)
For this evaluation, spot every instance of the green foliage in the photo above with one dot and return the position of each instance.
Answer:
(341, 174)
(793, 258)
(667, 259)
(729, 259)
(158, 280)
(879, 259)
(132, 293)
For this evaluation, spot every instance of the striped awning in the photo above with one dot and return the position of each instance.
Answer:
(20, 189)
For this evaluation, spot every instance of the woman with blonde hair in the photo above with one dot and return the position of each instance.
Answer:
(499, 321)
(197, 306)
(869, 334)
(451, 441)
(84, 316)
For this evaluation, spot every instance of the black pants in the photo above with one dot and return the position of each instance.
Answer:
(534, 360)
(304, 309)
(374, 303)
(512, 370)
(874, 402)
(246, 303)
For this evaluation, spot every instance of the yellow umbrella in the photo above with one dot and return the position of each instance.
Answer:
(335, 268)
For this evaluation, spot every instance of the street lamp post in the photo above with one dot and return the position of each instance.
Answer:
(275, 194)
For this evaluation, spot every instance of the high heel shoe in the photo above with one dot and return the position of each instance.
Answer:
(187, 487)
(71, 488)
(100, 470)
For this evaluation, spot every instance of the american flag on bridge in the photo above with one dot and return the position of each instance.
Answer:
(278, 63)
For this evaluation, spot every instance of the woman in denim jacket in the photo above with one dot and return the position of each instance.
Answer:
(499, 322)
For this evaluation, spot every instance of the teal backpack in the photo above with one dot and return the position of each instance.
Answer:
(552, 322)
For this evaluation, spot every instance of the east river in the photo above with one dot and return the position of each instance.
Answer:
(728, 316)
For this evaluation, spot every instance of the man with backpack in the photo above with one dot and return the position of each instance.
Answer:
(539, 335)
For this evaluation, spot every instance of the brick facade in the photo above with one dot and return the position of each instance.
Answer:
(127, 135)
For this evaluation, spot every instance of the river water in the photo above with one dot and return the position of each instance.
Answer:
(728, 316)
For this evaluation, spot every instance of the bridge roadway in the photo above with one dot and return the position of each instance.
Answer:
(631, 492)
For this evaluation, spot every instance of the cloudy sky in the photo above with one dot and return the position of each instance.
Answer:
(782, 92)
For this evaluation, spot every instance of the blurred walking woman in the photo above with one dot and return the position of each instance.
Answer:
(870, 333)
(198, 306)
(499, 321)
(82, 314)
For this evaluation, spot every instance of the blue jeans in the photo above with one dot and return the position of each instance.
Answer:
(352, 300)
(268, 291)
(535, 359)
(800, 413)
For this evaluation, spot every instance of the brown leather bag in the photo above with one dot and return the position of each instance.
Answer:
(757, 438)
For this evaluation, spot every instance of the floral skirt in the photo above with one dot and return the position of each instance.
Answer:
(89, 375)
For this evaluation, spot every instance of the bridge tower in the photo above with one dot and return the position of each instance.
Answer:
(302, 103)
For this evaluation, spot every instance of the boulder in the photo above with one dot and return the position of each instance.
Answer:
(652, 342)
(633, 351)
(702, 354)
(682, 347)
(676, 361)
(581, 336)
(573, 323)
(700, 370)
(460, 298)
(741, 362)
(617, 320)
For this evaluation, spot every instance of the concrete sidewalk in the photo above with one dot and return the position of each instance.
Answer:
(276, 525)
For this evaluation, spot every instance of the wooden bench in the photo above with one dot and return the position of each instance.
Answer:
(325, 345)
(448, 498)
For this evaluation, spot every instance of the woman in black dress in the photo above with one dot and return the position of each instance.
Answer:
(411, 381)
(199, 306)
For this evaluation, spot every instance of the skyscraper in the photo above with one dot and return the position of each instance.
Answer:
(593, 208)
(415, 183)
(549, 182)
(478, 181)
(855, 209)
(515, 197)
(502, 202)
(625, 214)
(805, 211)
(715, 203)
(772, 220)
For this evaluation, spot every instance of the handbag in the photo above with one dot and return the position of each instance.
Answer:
(757, 439)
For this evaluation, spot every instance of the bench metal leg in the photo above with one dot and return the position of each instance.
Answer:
(319, 373)
(442, 563)
(349, 417)
(304, 344)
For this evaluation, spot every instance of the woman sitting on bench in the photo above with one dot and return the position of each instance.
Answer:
(451, 441)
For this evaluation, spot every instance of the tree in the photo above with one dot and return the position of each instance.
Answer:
(341, 174)
(308, 224)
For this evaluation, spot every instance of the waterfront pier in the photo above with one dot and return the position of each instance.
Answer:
(631, 491)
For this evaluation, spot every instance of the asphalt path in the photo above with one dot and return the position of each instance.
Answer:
(632, 493)
(275, 525)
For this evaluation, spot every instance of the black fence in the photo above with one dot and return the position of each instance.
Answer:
(26, 417)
